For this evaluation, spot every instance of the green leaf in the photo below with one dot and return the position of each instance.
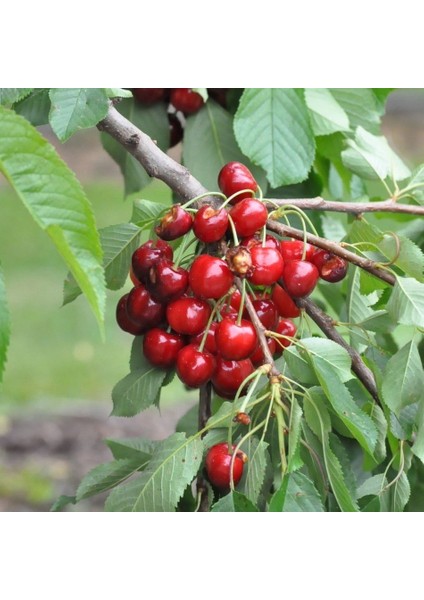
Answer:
(416, 184)
(61, 502)
(135, 447)
(401, 490)
(202, 92)
(327, 116)
(272, 128)
(209, 143)
(234, 502)
(279, 497)
(189, 422)
(255, 468)
(381, 95)
(9, 96)
(4, 326)
(377, 415)
(333, 228)
(406, 304)
(361, 107)
(336, 358)
(294, 461)
(35, 107)
(372, 486)
(118, 93)
(173, 466)
(56, 201)
(76, 108)
(146, 212)
(301, 495)
(410, 258)
(106, 476)
(418, 445)
(403, 381)
(299, 365)
(358, 310)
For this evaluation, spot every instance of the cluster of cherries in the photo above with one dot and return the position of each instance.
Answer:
(195, 319)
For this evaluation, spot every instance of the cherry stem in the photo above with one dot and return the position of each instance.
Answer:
(183, 247)
(205, 195)
(281, 428)
(242, 301)
(233, 231)
(239, 193)
(263, 236)
(237, 448)
(210, 321)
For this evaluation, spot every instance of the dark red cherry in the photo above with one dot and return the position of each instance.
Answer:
(234, 177)
(229, 311)
(210, 277)
(331, 268)
(133, 278)
(288, 328)
(266, 311)
(123, 320)
(174, 224)
(185, 100)
(257, 357)
(143, 309)
(219, 95)
(254, 240)
(210, 224)
(194, 367)
(229, 375)
(166, 282)
(149, 95)
(235, 341)
(268, 265)
(293, 250)
(299, 278)
(175, 130)
(188, 315)
(284, 303)
(235, 300)
(161, 347)
(218, 466)
(248, 215)
(147, 255)
(210, 344)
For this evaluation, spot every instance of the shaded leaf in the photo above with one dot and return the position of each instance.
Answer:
(63, 501)
(76, 108)
(327, 116)
(234, 502)
(255, 468)
(106, 476)
(294, 461)
(35, 107)
(406, 304)
(9, 96)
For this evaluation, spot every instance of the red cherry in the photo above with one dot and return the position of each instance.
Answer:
(210, 224)
(284, 303)
(218, 466)
(143, 309)
(174, 224)
(149, 95)
(210, 277)
(188, 315)
(254, 240)
(229, 375)
(210, 343)
(266, 311)
(167, 282)
(234, 177)
(268, 265)
(229, 311)
(194, 368)
(331, 268)
(288, 328)
(248, 215)
(235, 300)
(235, 341)
(185, 100)
(299, 278)
(147, 255)
(123, 320)
(133, 278)
(257, 357)
(162, 347)
(175, 130)
(293, 250)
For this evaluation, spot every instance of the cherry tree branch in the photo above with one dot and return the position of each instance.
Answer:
(353, 208)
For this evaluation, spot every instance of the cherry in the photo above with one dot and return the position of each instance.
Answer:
(188, 315)
(229, 375)
(133, 278)
(268, 265)
(285, 327)
(257, 357)
(235, 300)
(254, 240)
(210, 224)
(248, 215)
(162, 347)
(194, 367)
(293, 250)
(210, 343)
(149, 95)
(331, 268)
(147, 255)
(175, 223)
(299, 277)
(123, 320)
(143, 309)
(234, 177)
(166, 282)
(185, 100)
(175, 130)
(229, 311)
(266, 311)
(284, 303)
(235, 341)
(218, 466)
(210, 277)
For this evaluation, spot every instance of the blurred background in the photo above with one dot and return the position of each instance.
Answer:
(56, 395)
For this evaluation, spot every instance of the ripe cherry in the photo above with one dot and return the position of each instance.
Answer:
(166, 282)
(257, 357)
(284, 303)
(147, 255)
(133, 278)
(331, 268)
(210, 224)
(123, 320)
(254, 240)
(299, 277)
(210, 277)
(248, 215)
(268, 265)
(185, 100)
(175, 130)
(266, 311)
(210, 343)
(235, 341)
(218, 466)
(143, 309)
(293, 250)
(229, 375)
(234, 177)
(194, 367)
(175, 223)
(288, 328)
(188, 315)
(161, 347)
(149, 95)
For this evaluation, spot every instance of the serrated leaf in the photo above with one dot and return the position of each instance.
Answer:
(146, 212)
(410, 257)
(106, 476)
(327, 116)
(135, 447)
(9, 96)
(333, 228)
(173, 466)
(333, 355)
(209, 143)
(403, 380)
(317, 421)
(279, 497)
(118, 93)
(363, 232)
(401, 491)
(35, 107)
(56, 201)
(61, 502)
(358, 310)
(345, 459)
(377, 415)
(406, 304)
(300, 368)
(255, 468)
(76, 108)
(301, 495)
(402, 423)
(418, 445)
(234, 502)
(415, 185)
(374, 486)
(4, 326)
(294, 461)
(360, 105)
(272, 128)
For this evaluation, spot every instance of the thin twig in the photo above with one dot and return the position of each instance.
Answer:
(205, 396)
(353, 208)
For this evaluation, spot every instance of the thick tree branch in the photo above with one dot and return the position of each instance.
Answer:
(353, 208)
(325, 323)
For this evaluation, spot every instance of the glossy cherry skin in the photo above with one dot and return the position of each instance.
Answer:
(235, 300)
(123, 320)
(147, 255)
(149, 95)
(229, 375)
(188, 316)
(248, 215)
(133, 278)
(176, 131)
(234, 341)
(174, 224)
(254, 240)
(185, 100)
(161, 347)
(210, 277)
(210, 343)
(284, 303)
(288, 328)
(166, 282)
(257, 357)
(331, 268)
(293, 250)
(268, 265)
(210, 224)
(218, 466)
(266, 311)
(194, 368)
(228, 311)
(299, 277)
(143, 309)
(234, 177)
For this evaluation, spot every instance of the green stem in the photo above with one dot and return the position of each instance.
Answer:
(237, 448)
(281, 427)
(233, 231)
(205, 195)
(215, 309)
(242, 301)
